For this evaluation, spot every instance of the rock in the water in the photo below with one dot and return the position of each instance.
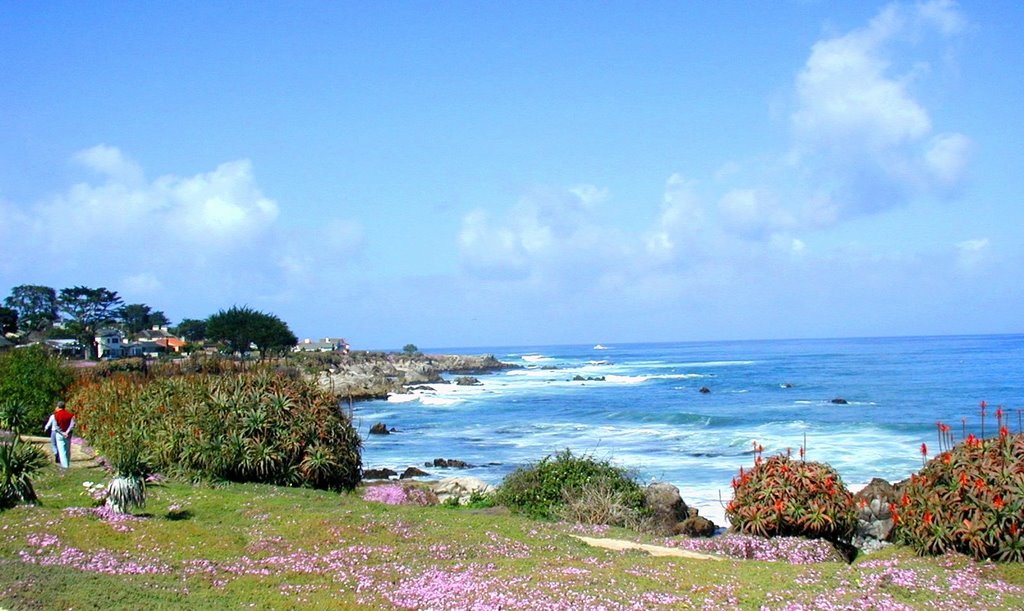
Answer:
(467, 381)
(695, 526)
(461, 488)
(384, 473)
(379, 429)
(667, 507)
(412, 472)
(704, 390)
(840, 401)
(448, 463)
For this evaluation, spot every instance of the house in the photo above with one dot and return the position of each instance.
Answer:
(68, 348)
(328, 344)
(110, 344)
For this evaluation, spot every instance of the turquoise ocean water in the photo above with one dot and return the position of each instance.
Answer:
(649, 416)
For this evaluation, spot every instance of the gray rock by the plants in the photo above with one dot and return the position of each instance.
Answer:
(379, 429)
(461, 488)
(666, 505)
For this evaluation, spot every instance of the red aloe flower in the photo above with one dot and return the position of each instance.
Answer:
(963, 478)
(1004, 431)
(779, 505)
(924, 449)
(928, 518)
(905, 500)
(979, 484)
(998, 502)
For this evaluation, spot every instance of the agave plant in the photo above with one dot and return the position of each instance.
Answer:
(19, 461)
(128, 458)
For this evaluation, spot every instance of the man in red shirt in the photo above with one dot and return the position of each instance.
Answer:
(60, 425)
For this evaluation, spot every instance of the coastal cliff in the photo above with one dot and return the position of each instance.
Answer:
(372, 375)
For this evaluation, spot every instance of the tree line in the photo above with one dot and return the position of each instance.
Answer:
(78, 312)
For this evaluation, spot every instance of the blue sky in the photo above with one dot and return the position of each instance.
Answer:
(474, 174)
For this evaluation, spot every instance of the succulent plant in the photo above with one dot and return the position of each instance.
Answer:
(781, 496)
(969, 498)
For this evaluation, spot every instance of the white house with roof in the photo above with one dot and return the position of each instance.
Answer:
(110, 344)
(327, 344)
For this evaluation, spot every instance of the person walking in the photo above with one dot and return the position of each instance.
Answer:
(60, 425)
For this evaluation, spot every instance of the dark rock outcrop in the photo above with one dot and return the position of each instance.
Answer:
(467, 381)
(412, 472)
(695, 526)
(379, 429)
(840, 401)
(383, 473)
(448, 463)
(579, 378)
(704, 390)
(364, 375)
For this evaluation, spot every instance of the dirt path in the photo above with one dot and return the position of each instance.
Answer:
(79, 456)
(654, 550)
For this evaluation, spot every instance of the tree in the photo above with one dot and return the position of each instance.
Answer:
(158, 319)
(135, 317)
(410, 349)
(8, 320)
(241, 327)
(33, 378)
(191, 330)
(86, 309)
(36, 306)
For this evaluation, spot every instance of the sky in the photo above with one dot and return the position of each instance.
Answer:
(529, 173)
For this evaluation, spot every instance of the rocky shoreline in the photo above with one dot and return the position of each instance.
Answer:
(361, 376)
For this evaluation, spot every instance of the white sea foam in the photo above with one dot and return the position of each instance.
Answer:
(715, 364)
(401, 398)
(536, 358)
(440, 401)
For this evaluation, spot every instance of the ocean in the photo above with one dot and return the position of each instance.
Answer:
(639, 406)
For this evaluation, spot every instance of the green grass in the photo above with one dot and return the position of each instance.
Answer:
(245, 545)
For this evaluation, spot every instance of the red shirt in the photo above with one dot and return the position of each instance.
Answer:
(63, 418)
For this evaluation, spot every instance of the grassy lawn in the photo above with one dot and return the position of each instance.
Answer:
(241, 546)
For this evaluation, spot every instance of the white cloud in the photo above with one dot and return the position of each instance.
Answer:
(860, 135)
(946, 158)
(214, 232)
(109, 161)
(972, 254)
(547, 232)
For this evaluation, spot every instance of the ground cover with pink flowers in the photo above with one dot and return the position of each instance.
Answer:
(249, 545)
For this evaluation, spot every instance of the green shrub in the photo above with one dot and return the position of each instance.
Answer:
(544, 489)
(969, 499)
(35, 379)
(249, 427)
(785, 497)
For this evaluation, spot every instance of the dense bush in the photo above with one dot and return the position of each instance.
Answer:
(255, 426)
(785, 497)
(546, 489)
(969, 499)
(35, 379)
